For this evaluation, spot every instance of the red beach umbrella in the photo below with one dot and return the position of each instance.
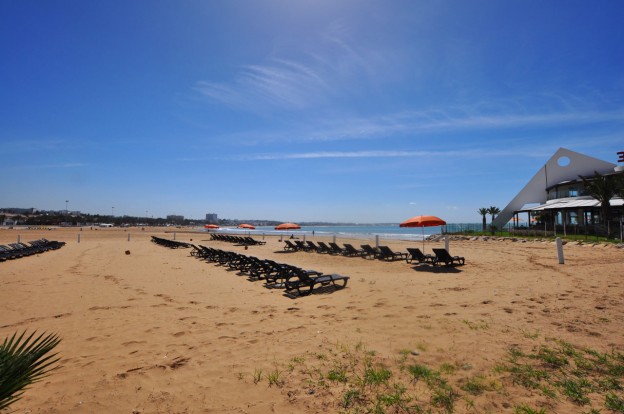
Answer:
(423, 221)
(288, 226)
(246, 226)
(211, 226)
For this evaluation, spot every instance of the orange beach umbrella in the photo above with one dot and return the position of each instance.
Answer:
(288, 226)
(423, 221)
(246, 226)
(211, 226)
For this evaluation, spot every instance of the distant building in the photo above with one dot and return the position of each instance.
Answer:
(175, 219)
(211, 218)
(13, 210)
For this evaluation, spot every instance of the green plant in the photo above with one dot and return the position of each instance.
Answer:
(275, 378)
(257, 376)
(525, 409)
(376, 376)
(576, 390)
(475, 385)
(614, 403)
(24, 361)
(444, 397)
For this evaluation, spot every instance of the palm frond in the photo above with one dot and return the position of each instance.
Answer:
(24, 361)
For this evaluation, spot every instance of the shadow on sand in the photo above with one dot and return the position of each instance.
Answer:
(425, 268)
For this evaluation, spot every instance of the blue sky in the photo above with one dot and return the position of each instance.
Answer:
(312, 110)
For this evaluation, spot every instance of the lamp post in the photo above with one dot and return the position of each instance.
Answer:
(113, 209)
(66, 208)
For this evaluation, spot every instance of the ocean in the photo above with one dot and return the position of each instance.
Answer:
(359, 231)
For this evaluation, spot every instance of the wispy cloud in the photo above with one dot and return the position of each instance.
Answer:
(279, 83)
(68, 165)
(475, 153)
(329, 64)
(416, 123)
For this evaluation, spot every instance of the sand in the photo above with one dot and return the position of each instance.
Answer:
(160, 331)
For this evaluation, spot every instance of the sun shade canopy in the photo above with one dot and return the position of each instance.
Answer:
(288, 226)
(423, 221)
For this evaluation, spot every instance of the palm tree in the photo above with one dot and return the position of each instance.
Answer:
(484, 212)
(603, 188)
(24, 362)
(493, 211)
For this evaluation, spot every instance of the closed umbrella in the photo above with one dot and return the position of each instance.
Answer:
(423, 221)
(288, 226)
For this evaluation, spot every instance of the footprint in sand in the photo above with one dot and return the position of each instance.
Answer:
(133, 343)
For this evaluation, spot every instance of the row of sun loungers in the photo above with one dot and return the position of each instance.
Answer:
(238, 240)
(275, 275)
(19, 250)
(381, 253)
(172, 244)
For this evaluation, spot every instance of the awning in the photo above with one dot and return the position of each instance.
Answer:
(573, 203)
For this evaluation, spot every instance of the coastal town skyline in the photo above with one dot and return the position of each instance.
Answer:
(360, 112)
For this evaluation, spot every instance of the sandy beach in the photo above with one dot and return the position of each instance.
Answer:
(147, 329)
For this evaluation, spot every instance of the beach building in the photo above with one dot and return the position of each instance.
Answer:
(556, 199)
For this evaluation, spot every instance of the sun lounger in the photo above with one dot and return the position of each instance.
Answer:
(385, 253)
(442, 256)
(416, 255)
(323, 248)
(349, 250)
(289, 246)
(335, 249)
(301, 245)
(305, 283)
(312, 247)
(371, 253)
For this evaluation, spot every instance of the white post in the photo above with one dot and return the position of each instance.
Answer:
(174, 235)
(78, 237)
(334, 238)
(19, 238)
(128, 236)
(560, 250)
(376, 240)
(446, 242)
